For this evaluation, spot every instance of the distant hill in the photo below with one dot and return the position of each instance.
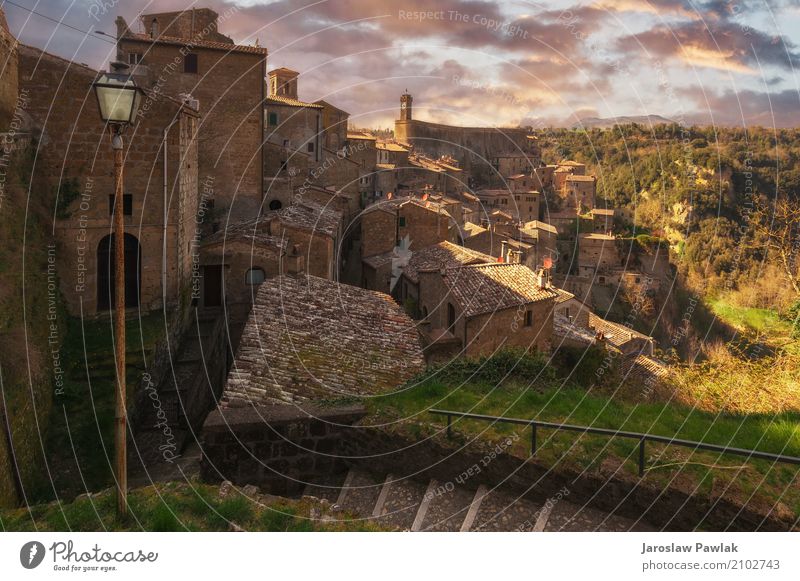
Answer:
(607, 122)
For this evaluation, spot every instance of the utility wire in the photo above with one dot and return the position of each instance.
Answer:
(59, 22)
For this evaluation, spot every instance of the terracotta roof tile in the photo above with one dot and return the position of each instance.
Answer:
(442, 255)
(486, 288)
(190, 42)
(288, 101)
(308, 338)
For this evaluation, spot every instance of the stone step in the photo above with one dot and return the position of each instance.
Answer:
(448, 507)
(566, 516)
(505, 512)
(360, 493)
(403, 500)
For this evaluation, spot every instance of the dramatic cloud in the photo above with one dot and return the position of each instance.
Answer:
(725, 46)
(745, 108)
(470, 61)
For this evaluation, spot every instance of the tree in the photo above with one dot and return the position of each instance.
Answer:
(779, 227)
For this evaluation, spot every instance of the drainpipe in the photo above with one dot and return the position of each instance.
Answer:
(164, 231)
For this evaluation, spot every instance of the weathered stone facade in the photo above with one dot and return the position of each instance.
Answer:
(277, 447)
(228, 82)
(487, 306)
(9, 86)
(469, 145)
(75, 163)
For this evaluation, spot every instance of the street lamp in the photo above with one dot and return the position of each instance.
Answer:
(118, 100)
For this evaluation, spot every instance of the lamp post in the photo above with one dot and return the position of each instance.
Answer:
(118, 100)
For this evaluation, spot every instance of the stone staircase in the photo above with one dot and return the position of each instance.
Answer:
(406, 504)
(184, 396)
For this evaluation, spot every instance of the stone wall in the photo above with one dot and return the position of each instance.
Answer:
(468, 145)
(229, 86)
(279, 448)
(9, 87)
(75, 167)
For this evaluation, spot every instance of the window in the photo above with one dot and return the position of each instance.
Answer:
(275, 205)
(154, 28)
(451, 316)
(127, 205)
(402, 221)
(190, 63)
(272, 119)
(134, 58)
(638, 280)
(310, 147)
(602, 280)
(528, 318)
(254, 276)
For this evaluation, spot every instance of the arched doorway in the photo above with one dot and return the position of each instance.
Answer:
(106, 269)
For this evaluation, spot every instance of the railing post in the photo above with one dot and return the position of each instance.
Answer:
(533, 439)
(449, 429)
(641, 458)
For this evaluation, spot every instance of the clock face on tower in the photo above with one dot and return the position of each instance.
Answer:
(403, 105)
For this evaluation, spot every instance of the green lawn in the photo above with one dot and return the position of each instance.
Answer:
(188, 506)
(762, 321)
(547, 400)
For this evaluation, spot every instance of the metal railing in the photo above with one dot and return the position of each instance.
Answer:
(641, 437)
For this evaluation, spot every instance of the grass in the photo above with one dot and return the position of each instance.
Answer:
(743, 481)
(175, 507)
(80, 435)
(747, 319)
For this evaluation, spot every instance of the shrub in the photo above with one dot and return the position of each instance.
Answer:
(504, 364)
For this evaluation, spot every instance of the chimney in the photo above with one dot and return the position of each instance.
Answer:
(504, 250)
(295, 263)
(543, 277)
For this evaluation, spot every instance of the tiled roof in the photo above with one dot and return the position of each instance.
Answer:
(379, 260)
(308, 338)
(471, 229)
(574, 178)
(390, 146)
(603, 211)
(564, 329)
(191, 42)
(309, 216)
(539, 225)
(485, 288)
(249, 231)
(442, 255)
(616, 334)
(361, 135)
(288, 101)
(642, 370)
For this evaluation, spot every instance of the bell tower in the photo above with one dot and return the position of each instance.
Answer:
(405, 106)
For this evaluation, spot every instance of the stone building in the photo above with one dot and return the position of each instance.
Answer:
(439, 256)
(470, 146)
(233, 263)
(309, 338)
(313, 230)
(75, 163)
(579, 192)
(292, 124)
(597, 256)
(184, 53)
(334, 126)
(603, 220)
(361, 148)
(394, 226)
(487, 306)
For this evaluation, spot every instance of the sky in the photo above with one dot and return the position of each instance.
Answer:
(474, 63)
